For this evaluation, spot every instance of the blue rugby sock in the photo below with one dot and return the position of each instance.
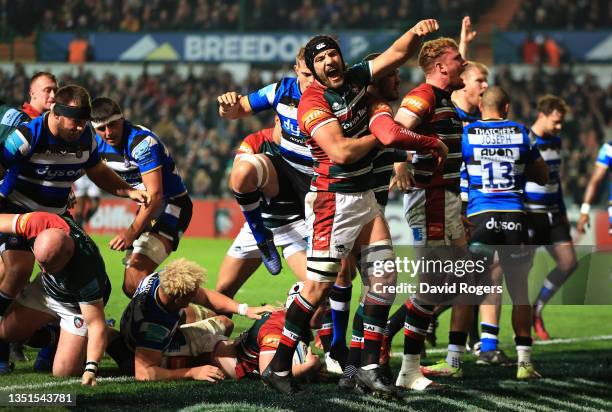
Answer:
(340, 302)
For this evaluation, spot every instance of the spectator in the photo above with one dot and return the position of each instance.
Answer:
(78, 50)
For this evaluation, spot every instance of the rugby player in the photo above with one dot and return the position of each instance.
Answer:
(294, 164)
(73, 287)
(282, 96)
(382, 125)
(602, 165)
(497, 169)
(546, 213)
(341, 211)
(433, 207)
(253, 351)
(41, 160)
(141, 159)
(43, 86)
(151, 320)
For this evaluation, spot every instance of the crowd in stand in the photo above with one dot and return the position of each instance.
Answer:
(563, 14)
(251, 15)
(182, 110)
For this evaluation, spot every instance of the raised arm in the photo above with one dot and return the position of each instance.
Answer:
(401, 50)
(467, 35)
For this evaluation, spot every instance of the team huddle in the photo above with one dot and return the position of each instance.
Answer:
(316, 185)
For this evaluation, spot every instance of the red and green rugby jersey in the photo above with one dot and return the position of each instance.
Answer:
(438, 116)
(347, 105)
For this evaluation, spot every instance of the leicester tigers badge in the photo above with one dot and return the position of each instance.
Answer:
(78, 322)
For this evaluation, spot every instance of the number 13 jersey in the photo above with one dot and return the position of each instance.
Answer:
(496, 154)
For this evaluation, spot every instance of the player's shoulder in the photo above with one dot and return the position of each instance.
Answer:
(286, 85)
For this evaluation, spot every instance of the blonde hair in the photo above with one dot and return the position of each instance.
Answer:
(472, 65)
(432, 50)
(181, 277)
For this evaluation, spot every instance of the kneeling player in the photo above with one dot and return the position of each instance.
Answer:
(73, 288)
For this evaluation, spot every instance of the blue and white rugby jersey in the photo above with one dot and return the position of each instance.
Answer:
(547, 198)
(604, 158)
(41, 168)
(142, 152)
(284, 96)
(145, 323)
(496, 153)
(466, 118)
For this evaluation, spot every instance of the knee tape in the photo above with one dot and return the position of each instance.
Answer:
(373, 259)
(151, 247)
(324, 270)
(260, 165)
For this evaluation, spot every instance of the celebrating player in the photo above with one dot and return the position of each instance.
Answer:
(341, 211)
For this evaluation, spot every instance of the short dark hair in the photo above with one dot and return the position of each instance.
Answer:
(43, 74)
(495, 98)
(74, 94)
(549, 103)
(102, 108)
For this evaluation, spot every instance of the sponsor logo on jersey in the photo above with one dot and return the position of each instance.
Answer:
(314, 116)
(414, 104)
(498, 226)
(271, 340)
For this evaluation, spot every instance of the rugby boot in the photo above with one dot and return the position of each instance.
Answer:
(442, 369)
(374, 381)
(527, 371)
(540, 330)
(415, 381)
(17, 353)
(283, 384)
(494, 357)
(269, 255)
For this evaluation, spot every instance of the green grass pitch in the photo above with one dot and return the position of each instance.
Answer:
(577, 371)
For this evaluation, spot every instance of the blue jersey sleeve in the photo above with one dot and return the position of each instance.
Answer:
(262, 99)
(15, 150)
(604, 157)
(148, 154)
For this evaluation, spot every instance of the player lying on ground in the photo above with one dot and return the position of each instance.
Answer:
(73, 287)
(150, 326)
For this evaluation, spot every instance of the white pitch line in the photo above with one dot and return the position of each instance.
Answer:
(65, 383)
(535, 342)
